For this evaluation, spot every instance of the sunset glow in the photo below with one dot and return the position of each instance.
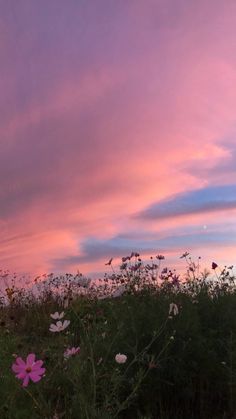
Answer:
(118, 133)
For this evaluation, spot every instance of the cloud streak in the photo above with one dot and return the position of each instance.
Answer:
(210, 199)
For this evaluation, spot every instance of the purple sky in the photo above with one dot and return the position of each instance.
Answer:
(118, 126)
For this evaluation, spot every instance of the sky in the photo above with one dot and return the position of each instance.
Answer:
(118, 132)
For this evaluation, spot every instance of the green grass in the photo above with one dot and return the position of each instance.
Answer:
(176, 368)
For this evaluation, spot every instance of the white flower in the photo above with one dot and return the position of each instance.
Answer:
(57, 316)
(59, 326)
(120, 358)
(71, 352)
(173, 309)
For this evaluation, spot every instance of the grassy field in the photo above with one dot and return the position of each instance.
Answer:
(156, 347)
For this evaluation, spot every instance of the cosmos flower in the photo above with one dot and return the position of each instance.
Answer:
(134, 268)
(59, 326)
(69, 352)
(125, 258)
(173, 309)
(184, 255)
(175, 280)
(120, 358)
(109, 262)
(29, 370)
(160, 257)
(214, 265)
(57, 316)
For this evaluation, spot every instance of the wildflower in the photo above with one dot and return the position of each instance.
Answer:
(120, 358)
(135, 267)
(30, 369)
(173, 309)
(109, 262)
(59, 326)
(160, 257)
(69, 352)
(214, 265)
(172, 338)
(125, 258)
(175, 280)
(57, 316)
(184, 255)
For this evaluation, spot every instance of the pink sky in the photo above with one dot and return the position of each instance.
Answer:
(117, 131)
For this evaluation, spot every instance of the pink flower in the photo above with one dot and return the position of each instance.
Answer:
(30, 369)
(57, 316)
(120, 358)
(59, 326)
(71, 352)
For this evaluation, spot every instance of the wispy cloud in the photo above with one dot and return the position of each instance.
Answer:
(96, 250)
(210, 199)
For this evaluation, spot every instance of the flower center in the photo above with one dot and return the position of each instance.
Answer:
(28, 369)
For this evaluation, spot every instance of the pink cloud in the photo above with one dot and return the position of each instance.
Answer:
(115, 131)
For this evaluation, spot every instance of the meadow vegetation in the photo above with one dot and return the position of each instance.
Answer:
(141, 343)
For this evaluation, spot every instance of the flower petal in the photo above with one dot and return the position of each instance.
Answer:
(30, 359)
(17, 368)
(53, 328)
(40, 371)
(26, 381)
(37, 365)
(20, 361)
(35, 377)
(21, 375)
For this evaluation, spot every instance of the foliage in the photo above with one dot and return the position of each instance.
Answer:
(179, 337)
